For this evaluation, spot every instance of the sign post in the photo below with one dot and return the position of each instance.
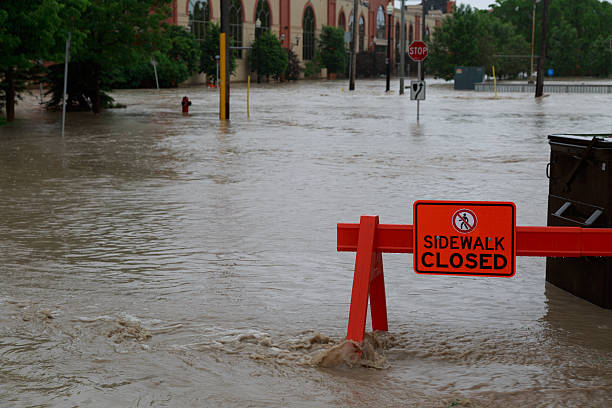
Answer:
(465, 238)
(65, 81)
(418, 51)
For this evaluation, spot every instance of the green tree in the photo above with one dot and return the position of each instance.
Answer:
(31, 31)
(574, 29)
(333, 49)
(599, 56)
(182, 47)
(267, 56)
(178, 58)
(119, 33)
(476, 38)
(564, 52)
(209, 49)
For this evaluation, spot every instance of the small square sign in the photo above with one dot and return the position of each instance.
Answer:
(469, 238)
(417, 90)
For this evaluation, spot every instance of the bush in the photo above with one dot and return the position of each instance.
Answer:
(170, 73)
(267, 56)
(333, 49)
(312, 68)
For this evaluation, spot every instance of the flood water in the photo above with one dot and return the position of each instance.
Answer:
(152, 259)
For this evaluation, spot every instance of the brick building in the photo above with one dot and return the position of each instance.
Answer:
(297, 23)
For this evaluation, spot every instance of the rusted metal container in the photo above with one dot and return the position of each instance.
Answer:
(580, 195)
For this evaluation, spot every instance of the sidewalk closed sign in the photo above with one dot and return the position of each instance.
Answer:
(465, 238)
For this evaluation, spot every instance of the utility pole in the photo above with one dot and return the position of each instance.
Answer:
(257, 35)
(422, 63)
(225, 67)
(388, 60)
(402, 47)
(353, 62)
(530, 81)
(542, 60)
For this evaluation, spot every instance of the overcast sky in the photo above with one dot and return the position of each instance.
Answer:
(479, 4)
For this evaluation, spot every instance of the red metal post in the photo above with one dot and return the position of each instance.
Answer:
(378, 301)
(368, 281)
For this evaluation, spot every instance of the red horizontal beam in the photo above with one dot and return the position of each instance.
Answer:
(530, 241)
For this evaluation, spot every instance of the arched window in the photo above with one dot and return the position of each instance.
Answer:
(397, 37)
(410, 35)
(351, 23)
(308, 49)
(199, 16)
(263, 14)
(236, 26)
(342, 21)
(380, 23)
(361, 33)
(426, 33)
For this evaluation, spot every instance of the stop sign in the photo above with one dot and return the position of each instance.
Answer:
(418, 51)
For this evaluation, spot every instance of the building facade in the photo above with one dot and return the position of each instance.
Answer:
(298, 23)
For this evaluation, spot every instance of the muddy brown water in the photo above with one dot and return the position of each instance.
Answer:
(151, 259)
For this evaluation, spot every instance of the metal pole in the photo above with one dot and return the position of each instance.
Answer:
(223, 79)
(388, 60)
(421, 69)
(248, 96)
(353, 62)
(418, 101)
(257, 35)
(258, 57)
(542, 61)
(154, 63)
(225, 28)
(424, 12)
(530, 81)
(402, 48)
(65, 81)
(494, 80)
(41, 85)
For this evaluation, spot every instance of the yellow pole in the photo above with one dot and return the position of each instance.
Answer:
(248, 95)
(222, 112)
(494, 81)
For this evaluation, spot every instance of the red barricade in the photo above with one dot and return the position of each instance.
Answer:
(370, 239)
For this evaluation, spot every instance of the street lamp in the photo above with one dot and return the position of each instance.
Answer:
(388, 60)
(257, 34)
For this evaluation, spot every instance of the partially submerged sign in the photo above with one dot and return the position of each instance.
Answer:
(417, 90)
(465, 238)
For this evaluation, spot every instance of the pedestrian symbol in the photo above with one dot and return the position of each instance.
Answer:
(417, 90)
(464, 221)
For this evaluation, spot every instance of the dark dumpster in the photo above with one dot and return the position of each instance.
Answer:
(580, 195)
(466, 77)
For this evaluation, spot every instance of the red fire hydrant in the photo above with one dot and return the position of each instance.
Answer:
(186, 103)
